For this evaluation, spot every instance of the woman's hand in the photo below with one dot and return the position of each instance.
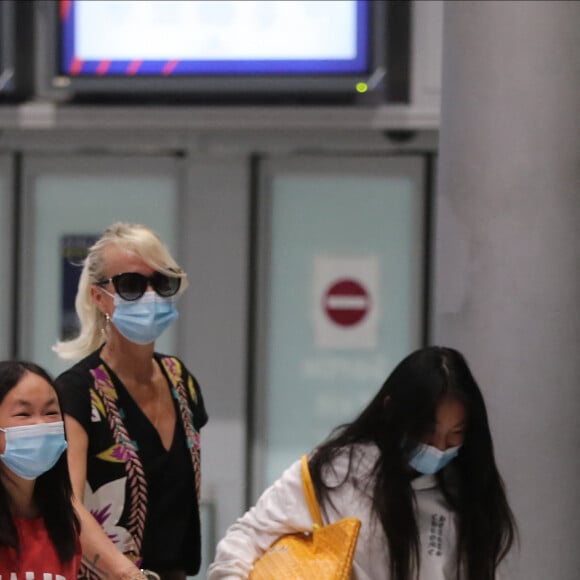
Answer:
(136, 574)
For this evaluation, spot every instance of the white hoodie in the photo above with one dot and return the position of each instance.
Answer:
(282, 509)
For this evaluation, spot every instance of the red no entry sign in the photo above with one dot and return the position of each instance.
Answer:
(346, 302)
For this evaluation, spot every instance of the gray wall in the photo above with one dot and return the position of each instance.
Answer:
(507, 273)
(213, 331)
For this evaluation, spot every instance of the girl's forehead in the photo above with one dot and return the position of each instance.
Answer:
(30, 389)
(450, 410)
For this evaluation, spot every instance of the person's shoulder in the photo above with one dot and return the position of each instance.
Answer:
(366, 453)
(182, 367)
(80, 369)
(352, 461)
(358, 453)
(161, 356)
(177, 371)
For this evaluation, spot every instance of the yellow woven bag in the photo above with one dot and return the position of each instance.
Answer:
(326, 553)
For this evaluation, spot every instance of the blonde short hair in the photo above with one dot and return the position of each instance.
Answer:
(133, 238)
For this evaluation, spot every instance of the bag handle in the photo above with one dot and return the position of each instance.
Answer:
(310, 494)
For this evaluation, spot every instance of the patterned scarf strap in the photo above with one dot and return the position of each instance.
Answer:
(173, 368)
(134, 469)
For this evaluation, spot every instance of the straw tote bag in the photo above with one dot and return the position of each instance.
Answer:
(326, 553)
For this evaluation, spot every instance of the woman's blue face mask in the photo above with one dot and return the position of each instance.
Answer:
(144, 320)
(32, 450)
(427, 459)
(447, 433)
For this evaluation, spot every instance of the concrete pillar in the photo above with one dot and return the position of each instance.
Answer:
(507, 257)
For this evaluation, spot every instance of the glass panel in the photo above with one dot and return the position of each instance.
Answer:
(345, 295)
(68, 204)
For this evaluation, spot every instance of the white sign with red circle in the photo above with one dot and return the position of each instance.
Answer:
(346, 302)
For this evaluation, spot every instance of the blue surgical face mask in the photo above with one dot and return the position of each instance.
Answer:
(143, 321)
(427, 459)
(32, 450)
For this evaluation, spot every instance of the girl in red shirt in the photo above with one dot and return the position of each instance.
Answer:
(39, 529)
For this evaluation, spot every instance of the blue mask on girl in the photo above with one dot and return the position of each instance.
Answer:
(143, 321)
(32, 450)
(427, 459)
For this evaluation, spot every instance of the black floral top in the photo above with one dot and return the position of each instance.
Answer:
(144, 496)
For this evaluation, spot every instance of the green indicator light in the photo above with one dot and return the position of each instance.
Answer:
(361, 87)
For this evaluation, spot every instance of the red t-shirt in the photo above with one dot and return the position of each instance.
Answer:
(38, 560)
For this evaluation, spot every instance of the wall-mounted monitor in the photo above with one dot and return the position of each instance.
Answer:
(212, 49)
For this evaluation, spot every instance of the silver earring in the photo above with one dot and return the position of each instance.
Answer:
(105, 329)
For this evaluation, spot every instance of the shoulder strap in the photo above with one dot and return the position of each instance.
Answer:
(173, 368)
(310, 494)
(137, 484)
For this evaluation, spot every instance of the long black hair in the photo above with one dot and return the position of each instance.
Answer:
(400, 414)
(52, 490)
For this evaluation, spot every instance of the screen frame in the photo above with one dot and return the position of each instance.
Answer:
(227, 87)
(16, 50)
(8, 84)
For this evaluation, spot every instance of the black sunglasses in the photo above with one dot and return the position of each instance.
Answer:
(132, 285)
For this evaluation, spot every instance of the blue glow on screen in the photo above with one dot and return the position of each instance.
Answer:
(121, 38)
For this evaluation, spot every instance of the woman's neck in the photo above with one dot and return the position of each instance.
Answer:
(129, 360)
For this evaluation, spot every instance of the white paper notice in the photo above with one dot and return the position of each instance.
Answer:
(346, 307)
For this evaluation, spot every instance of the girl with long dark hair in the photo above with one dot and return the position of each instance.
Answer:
(416, 467)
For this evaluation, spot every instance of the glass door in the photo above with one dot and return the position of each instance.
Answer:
(340, 297)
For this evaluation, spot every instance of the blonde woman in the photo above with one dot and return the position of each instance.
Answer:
(133, 415)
